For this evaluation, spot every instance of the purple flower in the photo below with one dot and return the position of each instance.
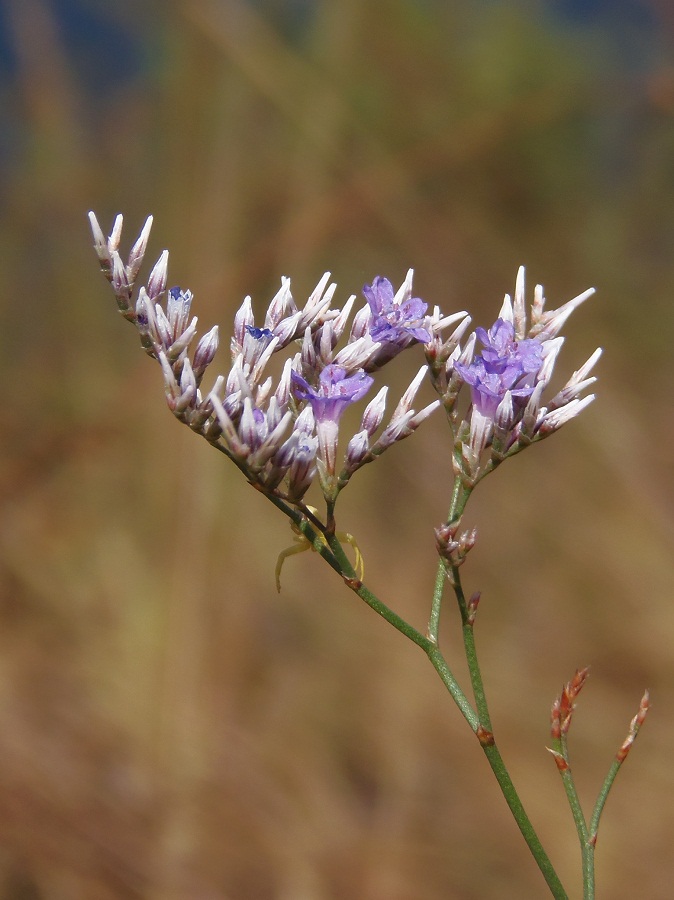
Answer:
(395, 320)
(505, 365)
(488, 389)
(259, 333)
(501, 350)
(335, 391)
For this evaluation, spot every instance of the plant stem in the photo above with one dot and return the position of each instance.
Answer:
(491, 751)
(523, 822)
(586, 844)
(479, 724)
(484, 730)
(330, 548)
(349, 575)
(460, 495)
(470, 651)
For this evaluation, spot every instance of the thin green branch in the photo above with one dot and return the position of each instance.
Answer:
(470, 651)
(436, 604)
(602, 797)
(621, 756)
(561, 754)
(328, 545)
(499, 769)
(460, 495)
(348, 573)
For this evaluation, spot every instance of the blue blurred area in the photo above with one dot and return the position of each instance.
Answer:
(633, 11)
(105, 50)
(108, 49)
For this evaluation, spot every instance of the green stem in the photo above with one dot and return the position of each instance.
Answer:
(491, 751)
(470, 651)
(440, 665)
(584, 837)
(436, 605)
(346, 570)
(601, 799)
(460, 495)
(311, 528)
(477, 722)
(523, 822)
(330, 548)
(484, 731)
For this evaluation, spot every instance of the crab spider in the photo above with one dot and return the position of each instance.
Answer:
(301, 543)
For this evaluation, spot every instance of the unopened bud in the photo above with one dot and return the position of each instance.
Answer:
(205, 352)
(472, 608)
(156, 283)
(635, 725)
(562, 764)
(374, 412)
(138, 251)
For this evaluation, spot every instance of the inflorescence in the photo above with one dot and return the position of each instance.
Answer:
(284, 434)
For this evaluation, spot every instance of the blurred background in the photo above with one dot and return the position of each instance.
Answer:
(170, 728)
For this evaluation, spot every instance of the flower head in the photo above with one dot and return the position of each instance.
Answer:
(281, 432)
(335, 391)
(488, 389)
(502, 351)
(508, 377)
(396, 318)
(505, 365)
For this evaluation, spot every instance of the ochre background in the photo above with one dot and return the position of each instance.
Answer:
(170, 728)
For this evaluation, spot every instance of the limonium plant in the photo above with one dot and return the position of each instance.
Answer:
(284, 436)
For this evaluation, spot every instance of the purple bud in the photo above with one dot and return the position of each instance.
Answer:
(156, 283)
(357, 450)
(138, 251)
(120, 283)
(339, 322)
(178, 307)
(205, 351)
(242, 319)
(287, 329)
(116, 233)
(188, 388)
(282, 392)
(519, 306)
(100, 243)
(558, 417)
(374, 412)
(317, 304)
(281, 305)
(361, 324)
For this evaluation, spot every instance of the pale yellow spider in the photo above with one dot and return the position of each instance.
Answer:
(302, 543)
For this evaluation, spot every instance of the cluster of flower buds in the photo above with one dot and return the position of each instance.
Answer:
(283, 434)
(507, 380)
(453, 545)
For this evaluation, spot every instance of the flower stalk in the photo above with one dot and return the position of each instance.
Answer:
(285, 434)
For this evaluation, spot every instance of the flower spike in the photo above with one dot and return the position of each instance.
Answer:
(507, 379)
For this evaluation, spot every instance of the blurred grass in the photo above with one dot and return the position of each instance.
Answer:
(169, 728)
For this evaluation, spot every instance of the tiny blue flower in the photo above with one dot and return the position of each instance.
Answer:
(504, 365)
(259, 333)
(335, 391)
(395, 322)
(502, 350)
(488, 389)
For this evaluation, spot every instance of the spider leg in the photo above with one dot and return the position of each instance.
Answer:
(301, 544)
(347, 538)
